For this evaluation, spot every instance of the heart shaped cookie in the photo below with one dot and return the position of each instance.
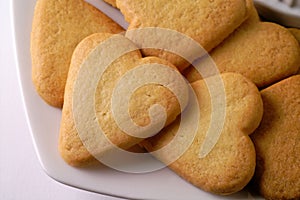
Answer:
(207, 22)
(111, 100)
(277, 141)
(230, 164)
(57, 28)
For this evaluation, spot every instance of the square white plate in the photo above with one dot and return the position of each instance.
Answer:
(44, 122)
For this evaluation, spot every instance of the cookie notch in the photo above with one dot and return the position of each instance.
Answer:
(71, 146)
(230, 165)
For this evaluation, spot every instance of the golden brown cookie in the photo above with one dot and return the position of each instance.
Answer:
(263, 52)
(192, 75)
(111, 2)
(231, 163)
(58, 26)
(277, 141)
(296, 33)
(207, 22)
(71, 146)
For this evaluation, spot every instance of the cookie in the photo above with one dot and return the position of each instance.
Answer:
(263, 52)
(230, 165)
(58, 26)
(92, 50)
(191, 73)
(207, 22)
(296, 33)
(111, 2)
(277, 141)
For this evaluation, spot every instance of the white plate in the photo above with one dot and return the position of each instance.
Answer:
(279, 11)
(44, 124)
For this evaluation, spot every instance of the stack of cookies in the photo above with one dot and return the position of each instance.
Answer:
(245, 71)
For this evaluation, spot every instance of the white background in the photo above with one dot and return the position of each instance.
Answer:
(21, 176)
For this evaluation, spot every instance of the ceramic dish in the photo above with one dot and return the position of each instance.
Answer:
(44, 122)
(285, 12)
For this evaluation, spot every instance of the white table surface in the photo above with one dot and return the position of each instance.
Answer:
(21, 176)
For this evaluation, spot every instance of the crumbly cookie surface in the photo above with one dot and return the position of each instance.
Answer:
(207, 22)
(191, 73)
(71, 147)
(296, 33)
(277, 141)
(57, 28)
(231, 163)
(263, 52)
